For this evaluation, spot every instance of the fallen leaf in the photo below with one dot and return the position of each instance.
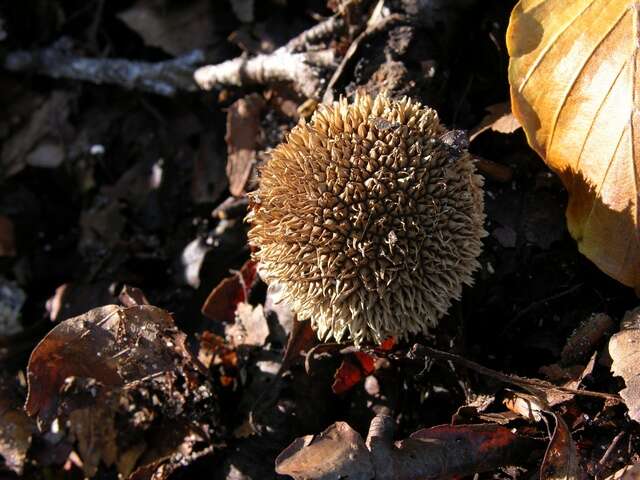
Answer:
(574, 89)
(281, 318)
(351, 373)
(347, 376)
(114, 345)
(572, 376)
(494, 170)
(132, 296)
(630, 472)
(526, 405)
(176, 28)
(192, 260)
(624, 351)
(94, 430)
(338, 452)
(450, 451)
(439, 452)
(561, 461)
(499, 119)
(250, 327)
(243, 128)
(129, 365)
(223, 300)
(301, 340)
(124, 386)
(215, 351)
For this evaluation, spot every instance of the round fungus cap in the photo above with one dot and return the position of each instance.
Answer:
(369, 219)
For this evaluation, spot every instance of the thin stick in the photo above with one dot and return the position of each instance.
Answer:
(420, 352)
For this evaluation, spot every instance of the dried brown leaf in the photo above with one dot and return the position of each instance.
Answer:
(243, 129)
(561, 461)
(128, 365)
(440, 452)
(499, 119)
(116, 346)
(223, 300)
(459, 450)
(624, 351)
(574, 88)
(630, 472)
(250, 327)
(94, 430)
(338, 452)
(301, 340)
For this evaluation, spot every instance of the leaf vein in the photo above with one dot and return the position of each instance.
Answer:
(549, 46)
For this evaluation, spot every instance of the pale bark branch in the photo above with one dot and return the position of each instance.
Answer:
(162, 78)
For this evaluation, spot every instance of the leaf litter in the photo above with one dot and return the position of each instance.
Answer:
(106, 189)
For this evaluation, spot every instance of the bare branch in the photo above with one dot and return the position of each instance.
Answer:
(294, 62)
(162, 78)
(281, 66)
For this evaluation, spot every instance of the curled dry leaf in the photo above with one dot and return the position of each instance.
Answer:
(630, 472)
(125, 365)
(338, 452)
(223, 300)
(624, 351)
(301, 340)
(498, 119)
(438, 452)
(526, 405)
(353, 370)
(243, 129)
(574, 89)
(112, 345)
(250, 327)
(561, 461)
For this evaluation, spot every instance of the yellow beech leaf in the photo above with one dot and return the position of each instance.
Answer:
(575, 88)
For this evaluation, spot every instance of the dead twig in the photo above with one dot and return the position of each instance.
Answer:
(422, 353)
(294, 62)
(162, 78)
(302, 69)
(300, 61)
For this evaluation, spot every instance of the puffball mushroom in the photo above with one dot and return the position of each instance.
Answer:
(369, 219)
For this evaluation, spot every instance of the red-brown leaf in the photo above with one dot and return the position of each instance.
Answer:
(223, 300)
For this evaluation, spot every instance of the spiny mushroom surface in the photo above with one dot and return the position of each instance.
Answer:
(368, 219)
